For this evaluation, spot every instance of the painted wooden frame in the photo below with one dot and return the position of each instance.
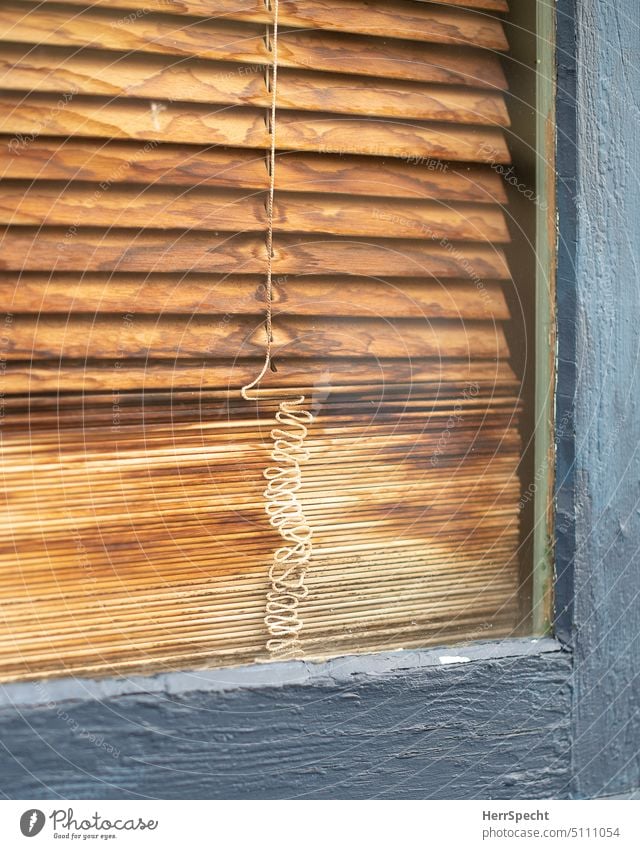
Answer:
(534, 718)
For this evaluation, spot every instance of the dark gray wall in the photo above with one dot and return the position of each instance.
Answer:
(607, 409)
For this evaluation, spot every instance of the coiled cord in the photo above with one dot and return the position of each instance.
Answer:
(290, 562)
(284, 478)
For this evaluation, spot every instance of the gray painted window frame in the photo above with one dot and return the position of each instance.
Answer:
(552, 717)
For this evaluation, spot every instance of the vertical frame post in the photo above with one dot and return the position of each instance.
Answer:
(544, 453)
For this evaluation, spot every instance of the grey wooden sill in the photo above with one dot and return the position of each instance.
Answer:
(338, 672)
(391, 725)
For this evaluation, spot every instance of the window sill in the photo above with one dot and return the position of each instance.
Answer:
(348, 669)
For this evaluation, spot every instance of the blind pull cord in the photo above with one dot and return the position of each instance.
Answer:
(290, 562)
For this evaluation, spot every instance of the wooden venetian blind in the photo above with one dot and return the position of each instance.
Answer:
(135, 179)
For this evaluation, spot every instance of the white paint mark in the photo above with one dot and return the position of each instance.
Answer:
(156, 109)
(452, 658)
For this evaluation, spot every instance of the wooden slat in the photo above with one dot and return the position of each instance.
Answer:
(415, 420)
(354, 577)
(32, 249)
(34, 115)
(479, 431)
(402, 219)
(494, 406)
(158, 467)
(56, 70)
(231, 211)
(338, 296)
(500, 488)
(110, 375)
(486, 534)
(104, 471)
(489, 5)
(425, 483)
(111, 516)
(244, 43)
(495, 436)
(133, 162)
(160, 487)
(385, 18)
(54, 337)
(482, 470)
(336, 593)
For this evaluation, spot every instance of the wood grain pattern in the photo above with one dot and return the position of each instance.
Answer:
(244, 43)
(54, 337)
(490, 5)
(86, 249)
(402, 19)
(112, 162)
(133, 255)
(37, 114)
(118, 478)
(245, 294)
(57, 205)
(57, 70)
(121, 376)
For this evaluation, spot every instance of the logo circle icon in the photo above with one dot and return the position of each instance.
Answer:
(32, 822)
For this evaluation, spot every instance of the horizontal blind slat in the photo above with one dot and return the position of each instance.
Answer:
(339, 296)
(53, 337)
(403, 19)
(34, 115)
(112, 162)
(58, 71)
(245, 44)
(127, 375)
(51, 204)
(87, 249)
